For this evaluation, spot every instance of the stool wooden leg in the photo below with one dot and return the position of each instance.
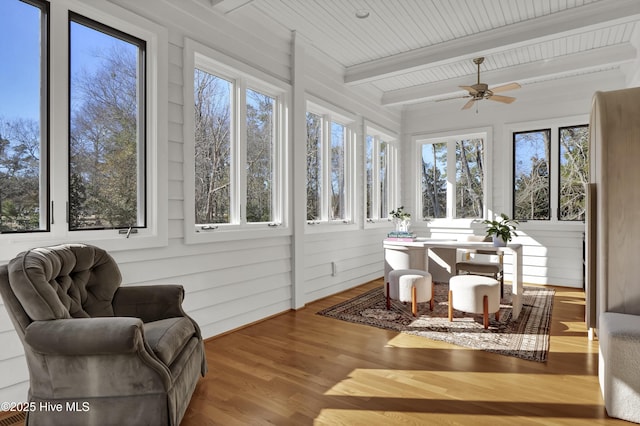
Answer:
(450, 306)
(498, 316)
(388, 300)
(433, 294)
(414, 303)
(485, 311)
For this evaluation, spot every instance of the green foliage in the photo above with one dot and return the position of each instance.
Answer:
(503, 228)
(400, 213)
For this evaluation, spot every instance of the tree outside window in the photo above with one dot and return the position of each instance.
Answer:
(574, 171)
(213, 162)
(24, 204)
(434, 180)
(106, 128)
(314, 166)
(532, 175)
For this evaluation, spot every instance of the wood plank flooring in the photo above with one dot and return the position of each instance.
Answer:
(299, 368)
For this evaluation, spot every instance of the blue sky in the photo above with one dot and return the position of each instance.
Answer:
(20, 53)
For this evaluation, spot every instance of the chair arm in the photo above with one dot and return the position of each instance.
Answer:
(149, 303)
(86, 336)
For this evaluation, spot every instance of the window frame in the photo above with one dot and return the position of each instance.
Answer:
(156, 99)
(44, 165)
(451, 137)
(142, 142)
(380, 136)
(552, 173)
(554, 124)
(243, 77)
(332, 114)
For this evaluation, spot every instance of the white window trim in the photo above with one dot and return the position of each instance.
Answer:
(331, 113)
(391, 139)
(418, 140)
(156, 38)
(245, 77)
(554, 124)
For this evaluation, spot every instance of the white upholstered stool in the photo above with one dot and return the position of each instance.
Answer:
(474, 294)
(410, 285)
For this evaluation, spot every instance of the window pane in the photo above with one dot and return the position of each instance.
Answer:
(531, 175)
(384, 180)
(314, 166)
(337, 171)
(23, 127)
(107, 128)
(368, 167)
(469, 178)
(260, 146)
(212, 148)
(434, 180)
(574, 171)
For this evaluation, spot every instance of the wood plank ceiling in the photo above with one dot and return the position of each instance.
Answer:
(410, 51)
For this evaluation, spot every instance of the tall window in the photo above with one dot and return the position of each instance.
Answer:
(314, 166)
(107, 139)
(24, 103)
(452, 177)
(532, 180)
(551, 168)
(213, 161)
(338, 165)
(329, 173)
(574, 171)
(379, 170)
(236, 141)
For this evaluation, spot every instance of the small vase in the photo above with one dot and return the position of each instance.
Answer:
(498, 241)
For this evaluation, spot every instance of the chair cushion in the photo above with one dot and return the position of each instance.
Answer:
(167, 337)
(65, 281)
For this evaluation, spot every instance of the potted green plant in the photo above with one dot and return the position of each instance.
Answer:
(502, 230)
(401, 218)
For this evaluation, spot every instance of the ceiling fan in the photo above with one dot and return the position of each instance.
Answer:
(481, 91)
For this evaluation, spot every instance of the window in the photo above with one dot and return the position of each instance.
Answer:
(87, 169)
(550, 170)
(107, 128)
(314, 166)
(380, 158)
(532, 176)
(329, 168)
(235, 136)
(574, 171)
(452, 177)
(24, 180)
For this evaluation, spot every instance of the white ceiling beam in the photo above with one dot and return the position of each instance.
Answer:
(596, 14)
(590, 59)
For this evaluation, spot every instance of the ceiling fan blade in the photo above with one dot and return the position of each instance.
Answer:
(503, 99)
(505, 87)
(469, 89)
(469, 104)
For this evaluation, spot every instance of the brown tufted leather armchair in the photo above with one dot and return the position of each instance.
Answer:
(105, 354)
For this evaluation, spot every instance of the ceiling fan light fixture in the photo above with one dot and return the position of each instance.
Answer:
(362, 14)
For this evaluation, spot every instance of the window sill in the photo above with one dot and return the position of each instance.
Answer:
(248, 232)
(322, 227)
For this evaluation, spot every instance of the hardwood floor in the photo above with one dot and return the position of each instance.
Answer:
(300, 369)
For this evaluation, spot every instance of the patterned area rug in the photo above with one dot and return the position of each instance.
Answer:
(526, 337)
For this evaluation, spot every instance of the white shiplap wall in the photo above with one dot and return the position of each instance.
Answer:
(233, 283)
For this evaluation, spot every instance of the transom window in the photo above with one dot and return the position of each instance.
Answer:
(452, 177)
